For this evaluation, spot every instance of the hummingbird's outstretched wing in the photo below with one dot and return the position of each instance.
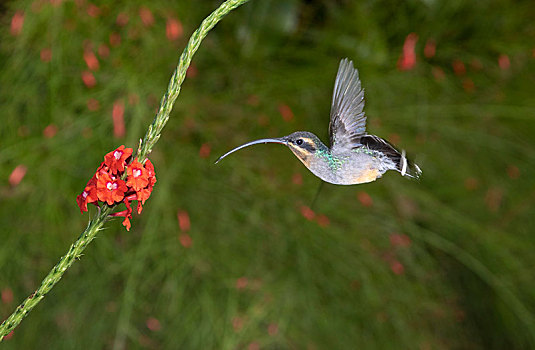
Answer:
(348, 122)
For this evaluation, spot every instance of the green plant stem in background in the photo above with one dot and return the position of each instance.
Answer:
(151, 137)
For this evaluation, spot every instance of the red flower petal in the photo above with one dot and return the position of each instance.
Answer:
(143, 195)
(126, 223)
(150, 172)
(110, 190)
(137, 176)
(82, 202)
(116, 159)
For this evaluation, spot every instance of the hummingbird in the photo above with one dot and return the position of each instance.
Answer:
(354, 156)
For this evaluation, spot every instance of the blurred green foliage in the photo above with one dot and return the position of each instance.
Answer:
(443, 263)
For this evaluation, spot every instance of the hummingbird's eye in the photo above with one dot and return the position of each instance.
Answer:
(299, 142)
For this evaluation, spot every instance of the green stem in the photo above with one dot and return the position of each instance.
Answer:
(56, 273)
(151, 137)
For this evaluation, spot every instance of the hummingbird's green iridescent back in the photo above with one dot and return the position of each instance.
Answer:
(353, 157)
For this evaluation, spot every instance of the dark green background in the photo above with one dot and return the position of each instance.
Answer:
(465, 281)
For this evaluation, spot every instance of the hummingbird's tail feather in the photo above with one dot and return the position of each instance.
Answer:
(408, 168)
(401, 163)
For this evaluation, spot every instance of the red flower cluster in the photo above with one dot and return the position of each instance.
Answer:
(109, 184)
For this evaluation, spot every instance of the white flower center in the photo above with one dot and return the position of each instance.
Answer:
(136, 172)
(84, 195)
(117, 154)
(111, 186)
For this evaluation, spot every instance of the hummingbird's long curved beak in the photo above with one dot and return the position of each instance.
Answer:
(280, 140)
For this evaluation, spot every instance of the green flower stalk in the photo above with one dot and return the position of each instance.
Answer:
(151, 137)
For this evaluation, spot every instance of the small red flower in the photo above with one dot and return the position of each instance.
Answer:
(150, 172)
(115, 160)
(137, 176)
(110, 189)
(89, 195)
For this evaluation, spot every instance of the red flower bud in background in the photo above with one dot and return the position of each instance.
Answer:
(407, 60)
